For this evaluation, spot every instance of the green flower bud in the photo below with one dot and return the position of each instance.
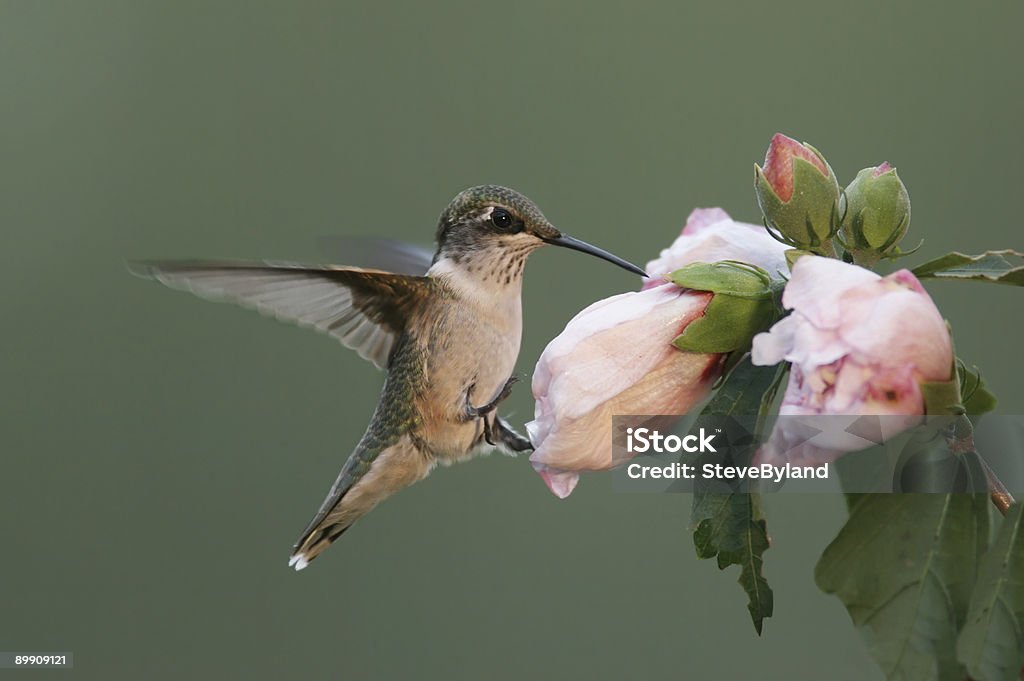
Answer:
(799, 195)
(876, 214)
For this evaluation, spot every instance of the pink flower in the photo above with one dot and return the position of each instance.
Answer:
(616, 356)
(860, 344)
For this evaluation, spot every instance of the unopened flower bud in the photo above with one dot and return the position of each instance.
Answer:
(876, 214)
(798, 194)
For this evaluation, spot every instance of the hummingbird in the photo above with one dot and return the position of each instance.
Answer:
(448, 338)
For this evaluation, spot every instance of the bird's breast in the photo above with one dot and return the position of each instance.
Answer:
(470, 349)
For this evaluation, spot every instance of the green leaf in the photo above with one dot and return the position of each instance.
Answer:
(903, 565)
(1000, 267)
(747, 390)
(991, 644)
(730, 525)
(853, 498)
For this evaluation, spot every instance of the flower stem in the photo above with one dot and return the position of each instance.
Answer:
(1001, 497)
(961, 441)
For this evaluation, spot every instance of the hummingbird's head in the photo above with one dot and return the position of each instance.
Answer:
(492, 229)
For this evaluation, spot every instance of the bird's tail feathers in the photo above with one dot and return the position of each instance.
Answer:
(364, 482)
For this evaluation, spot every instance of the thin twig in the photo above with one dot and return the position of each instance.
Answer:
(961, 441)
(997, 491)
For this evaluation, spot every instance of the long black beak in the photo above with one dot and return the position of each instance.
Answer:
(577, 245)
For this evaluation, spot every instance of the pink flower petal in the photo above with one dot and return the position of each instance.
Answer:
(700, 218)
(778, 164)
(818, 284)
(713, 242)
(561, 483)
(597, 369)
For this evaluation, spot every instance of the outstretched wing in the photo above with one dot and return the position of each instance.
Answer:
(376, 253)
(364, 309)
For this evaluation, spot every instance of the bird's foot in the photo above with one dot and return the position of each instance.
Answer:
(509, 439)
(477, 412)
(482, 411)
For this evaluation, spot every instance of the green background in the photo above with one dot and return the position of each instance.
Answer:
(160, 453)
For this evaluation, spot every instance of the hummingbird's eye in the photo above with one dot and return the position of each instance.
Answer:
(502, 219)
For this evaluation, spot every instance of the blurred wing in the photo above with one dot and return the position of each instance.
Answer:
(389, 255)
(364, 309)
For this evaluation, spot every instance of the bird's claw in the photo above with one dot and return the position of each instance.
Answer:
(512, 440)
(477, 412)
(482, 411)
